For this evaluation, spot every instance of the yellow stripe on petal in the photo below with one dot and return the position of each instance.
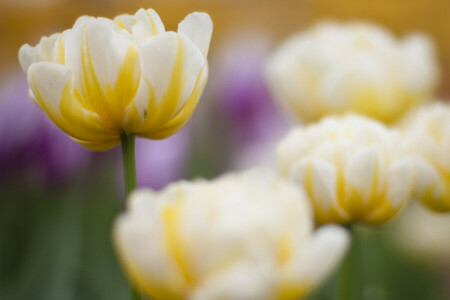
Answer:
(152, 22)
(138, 277)
(166, 108)
(184, 115)
(64, 109)
(171, 216)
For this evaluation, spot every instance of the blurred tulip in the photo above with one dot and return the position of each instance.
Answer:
(356, 67)
(242, 236)
(428, 136)
(352, 168)
(31, 142)
(128, 75)
(245, 102)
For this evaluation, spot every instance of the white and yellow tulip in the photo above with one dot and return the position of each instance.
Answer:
(128, 75)
(427, 132)
(242, 236)
(338, 68)
(351, 167)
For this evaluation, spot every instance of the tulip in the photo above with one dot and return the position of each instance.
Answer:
(242, 236)
(338, 68)
(427, 132)
(352, 168)
(104, 78)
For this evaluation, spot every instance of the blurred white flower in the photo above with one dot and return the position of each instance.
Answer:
(427, 131)
(336, 68)
(351, 167)
(423, 234)
(128, 75)
(242, 236)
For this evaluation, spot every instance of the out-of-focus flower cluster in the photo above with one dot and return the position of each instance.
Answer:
(351, 167)
(357, 67)
(242, 236)
(427, 132)
(248, 235)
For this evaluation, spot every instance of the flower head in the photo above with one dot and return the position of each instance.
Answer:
(242, 236)
(334, 68)
(104, 77)
(351, 168)
(427, 132)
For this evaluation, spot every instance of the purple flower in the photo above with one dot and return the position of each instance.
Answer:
(30, 142)
(255, 122)
(160, 162)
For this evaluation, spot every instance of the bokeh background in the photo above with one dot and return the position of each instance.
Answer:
(58, 201)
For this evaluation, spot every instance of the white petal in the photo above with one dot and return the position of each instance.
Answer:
(425, 176)
(27, 56)
(319, 179)
(323, 253)
(429, 187)
(364, 173)
(83, 20)
(125, 21)
(399, 182)
(158, 56)
(107, 48)
(141, 199)
(193, 64)
(48, 80)
(148, 24)
(147, 261)
(242, 281)
(198, 27)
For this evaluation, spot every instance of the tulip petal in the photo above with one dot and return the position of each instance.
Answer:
(364, 177)
(149, 264)
(399, 182)
(125, 22)
(240, 281)
(27, 56)
(324, 251)
(41, 52)
(147, 24)
(320, 181)
(198, 27)
(105, 66)
(429, 186)
(52, 90)
(171, 68)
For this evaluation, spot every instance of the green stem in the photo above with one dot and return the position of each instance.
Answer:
(346, 273)
(129, 170)
(129, 162)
